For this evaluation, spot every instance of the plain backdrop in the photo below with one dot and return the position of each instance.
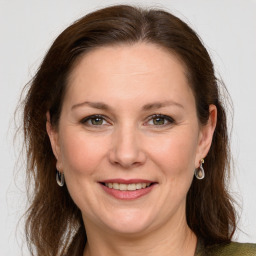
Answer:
(28, 27)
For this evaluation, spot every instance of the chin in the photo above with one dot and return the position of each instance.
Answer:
(129, 222)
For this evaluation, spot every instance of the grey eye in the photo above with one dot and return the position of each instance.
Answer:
(160, 120)
(96, 121)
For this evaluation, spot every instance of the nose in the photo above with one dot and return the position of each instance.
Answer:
(127, 148)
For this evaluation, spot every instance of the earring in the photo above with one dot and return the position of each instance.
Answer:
(60, 178)
(199, 172)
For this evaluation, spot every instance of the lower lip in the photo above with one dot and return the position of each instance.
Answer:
(127, 195)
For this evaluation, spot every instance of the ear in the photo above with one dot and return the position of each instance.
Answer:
(54, 139)
(206, 135)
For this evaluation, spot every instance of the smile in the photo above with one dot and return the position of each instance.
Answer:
(127, 187)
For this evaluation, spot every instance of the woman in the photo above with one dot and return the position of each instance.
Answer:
(127, 142)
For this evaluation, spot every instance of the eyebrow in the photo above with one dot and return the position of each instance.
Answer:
(157, 105)
(149, 106)
(98, 105)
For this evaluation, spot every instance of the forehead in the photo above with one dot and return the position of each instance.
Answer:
(128, 71)
(127, 58)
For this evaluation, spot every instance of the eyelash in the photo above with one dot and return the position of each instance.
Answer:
(93, 117)
(169, 119)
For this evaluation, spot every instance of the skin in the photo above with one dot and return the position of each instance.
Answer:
(131, 144)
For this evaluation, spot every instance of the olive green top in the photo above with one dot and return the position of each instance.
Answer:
(231, 249)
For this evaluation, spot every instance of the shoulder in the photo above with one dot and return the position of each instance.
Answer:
(234, 249)
(230, 249)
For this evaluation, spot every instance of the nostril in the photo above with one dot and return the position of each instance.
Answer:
(127, 156)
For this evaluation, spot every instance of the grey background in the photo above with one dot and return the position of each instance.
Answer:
(27, 28)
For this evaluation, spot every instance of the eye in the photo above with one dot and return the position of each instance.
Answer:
(160, 120)
(95, 120)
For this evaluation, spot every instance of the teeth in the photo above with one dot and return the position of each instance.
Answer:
(131, 187)
(138, 186)
(123, 187)
(127, 187)
(115, 185)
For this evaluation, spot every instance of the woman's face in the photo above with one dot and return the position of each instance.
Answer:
(129, 121)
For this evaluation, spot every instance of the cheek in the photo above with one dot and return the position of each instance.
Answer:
(175, 153)
(81, 154)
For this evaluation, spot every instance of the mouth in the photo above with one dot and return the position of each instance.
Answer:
(127, 189)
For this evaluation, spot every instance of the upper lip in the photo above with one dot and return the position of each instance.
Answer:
(124, 181)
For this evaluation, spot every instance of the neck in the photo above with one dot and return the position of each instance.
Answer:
(175, 238)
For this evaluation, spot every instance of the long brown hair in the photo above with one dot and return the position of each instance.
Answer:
(54, 224)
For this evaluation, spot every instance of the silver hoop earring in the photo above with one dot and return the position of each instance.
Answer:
(199, 172)
(60, 178)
